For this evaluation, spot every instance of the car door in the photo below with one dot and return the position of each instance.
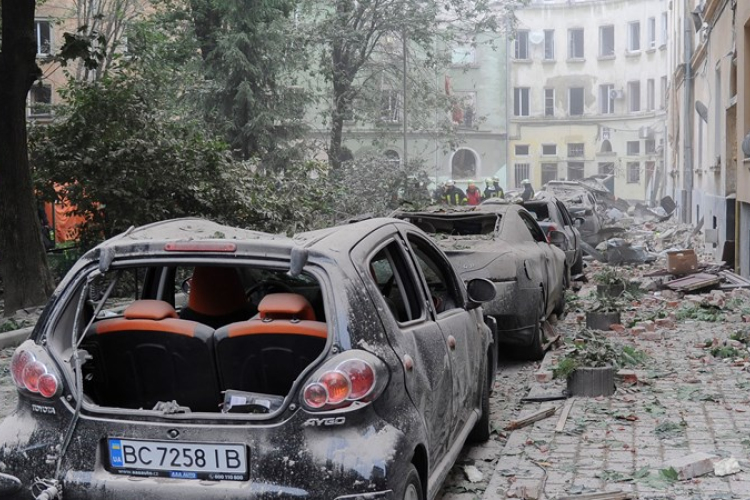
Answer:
(461, 329)
(386, 268)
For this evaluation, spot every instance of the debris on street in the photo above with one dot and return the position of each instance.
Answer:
(530, 419)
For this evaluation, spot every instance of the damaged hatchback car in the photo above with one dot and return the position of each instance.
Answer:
(186, 359)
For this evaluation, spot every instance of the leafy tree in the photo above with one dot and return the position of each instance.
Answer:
(355, 35)
(26, 278)
(252, 66)
(123, 162)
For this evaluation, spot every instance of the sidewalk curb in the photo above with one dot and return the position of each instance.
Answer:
(14, 337)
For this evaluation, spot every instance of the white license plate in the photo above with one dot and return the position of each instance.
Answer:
(178, 460)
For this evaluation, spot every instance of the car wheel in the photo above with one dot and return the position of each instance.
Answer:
(535, 350)
(482, 430)
(578, 265)
(413, 485)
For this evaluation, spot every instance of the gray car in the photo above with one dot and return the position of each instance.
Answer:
(191, 360)
(552, 215)
(503, 242)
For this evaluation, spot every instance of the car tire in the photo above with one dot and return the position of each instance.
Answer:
(535, 350)
(482, 429)
(578, 265)
(412, 485)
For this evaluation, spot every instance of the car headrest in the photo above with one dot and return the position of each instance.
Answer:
(215, 291)
(285, 306)
(150, 309)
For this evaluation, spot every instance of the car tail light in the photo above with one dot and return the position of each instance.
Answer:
(33, 375)
(18, 363)
(48, 385)
(355, 376)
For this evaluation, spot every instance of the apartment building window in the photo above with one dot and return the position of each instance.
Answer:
(549, 172)
(633, 172)
(650, 95)
(521, 101)
(40, 100)
(575, 96)
(549, 102)
(549, 149)
(651, 33)
(664, 30)
(634, 96)
(464, 110)
(575, 150)
(522, 171)
(463, 54)
(464, 164)
(633, 148)
(549, 45)
(634, 36)
(606, 168)
(522, 44)
(522, 150)
(663, 100)
(606, 99)
(649, 146)
(575, 170)
(575, 43)
(390, 108)
(43, 35)
(606, 41)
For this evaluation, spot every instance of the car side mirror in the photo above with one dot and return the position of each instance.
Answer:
(480, 290)
(579, 221)
(558, 239)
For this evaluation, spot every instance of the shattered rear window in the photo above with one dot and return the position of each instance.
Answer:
(466, 225)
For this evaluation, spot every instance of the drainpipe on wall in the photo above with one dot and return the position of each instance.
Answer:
(687, 181)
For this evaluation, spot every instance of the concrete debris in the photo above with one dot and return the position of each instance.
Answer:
(473, 474)
(693, 465)
(727, 467)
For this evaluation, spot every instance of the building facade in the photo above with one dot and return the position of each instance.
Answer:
(741, 132)
(476, 80)
(588, 83)
(703, 126)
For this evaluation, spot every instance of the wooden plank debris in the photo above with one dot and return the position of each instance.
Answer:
(564, 414)
(534, 417)
(732, 280)
(693, 282)
(609, 495)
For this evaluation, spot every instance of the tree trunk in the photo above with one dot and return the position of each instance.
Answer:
(23, 262)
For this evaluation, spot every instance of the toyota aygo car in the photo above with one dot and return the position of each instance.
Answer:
(190, 360)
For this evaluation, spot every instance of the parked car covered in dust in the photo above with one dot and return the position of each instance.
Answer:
(580, 202)
(502, 242)
(186, 359)
(552, 215)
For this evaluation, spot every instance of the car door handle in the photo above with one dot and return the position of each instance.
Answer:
(452, 342)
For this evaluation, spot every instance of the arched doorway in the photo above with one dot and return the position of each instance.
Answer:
(464, 164)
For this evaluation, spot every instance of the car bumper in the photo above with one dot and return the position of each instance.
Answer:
(515, 321)
(286, 460)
